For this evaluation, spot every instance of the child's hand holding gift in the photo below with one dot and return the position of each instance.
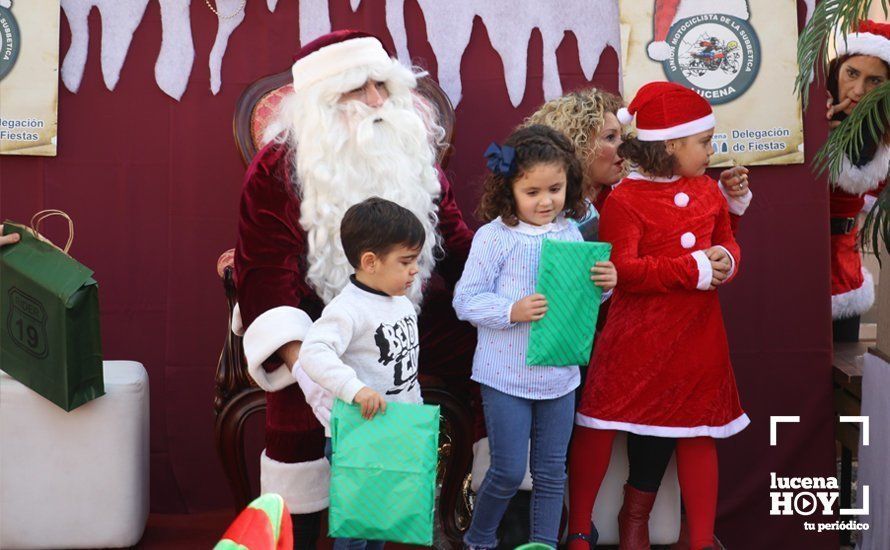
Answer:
(530, 308)
(604, 275)
(370, 401)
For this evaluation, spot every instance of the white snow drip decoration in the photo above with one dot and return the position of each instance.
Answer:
(119, 21)
(315, 19)
(177, 55)
(226, 27)
(509, 25)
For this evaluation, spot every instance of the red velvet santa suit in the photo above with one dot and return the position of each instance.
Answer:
(852, 288)
(661, 366)
(737, 208)
(277, 306)
(737, 205)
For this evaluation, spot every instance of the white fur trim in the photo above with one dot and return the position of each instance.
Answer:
(624, 116)
(691, 8)
(336, 59)
(679, 131)
(737, 205)
(860, 179)
(681, 199)
(265, 335)
(705, 272)
(658, 51)
(482, 462)
(854, 302)
(687, 240)
(717, 432)
(305, 486)
(863, 43)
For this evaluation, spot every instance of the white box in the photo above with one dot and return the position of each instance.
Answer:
(75, 479)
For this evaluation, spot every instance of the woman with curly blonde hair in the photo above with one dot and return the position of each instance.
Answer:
(588, 118)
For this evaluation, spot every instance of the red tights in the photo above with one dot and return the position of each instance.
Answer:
(696, 467)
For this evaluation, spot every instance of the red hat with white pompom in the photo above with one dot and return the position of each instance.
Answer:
(871, 38)
(666, 110)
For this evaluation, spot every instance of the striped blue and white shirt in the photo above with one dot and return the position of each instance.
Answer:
(502, 268)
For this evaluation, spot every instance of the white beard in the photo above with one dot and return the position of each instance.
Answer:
(351, 152)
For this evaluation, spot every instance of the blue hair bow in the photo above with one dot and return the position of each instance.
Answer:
(501, 159)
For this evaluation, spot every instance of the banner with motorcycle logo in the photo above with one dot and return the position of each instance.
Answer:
(29, 76)
(738, 54)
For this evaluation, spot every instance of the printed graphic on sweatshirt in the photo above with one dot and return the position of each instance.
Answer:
(399, 345)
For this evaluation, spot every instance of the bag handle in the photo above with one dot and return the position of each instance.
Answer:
(37, 218)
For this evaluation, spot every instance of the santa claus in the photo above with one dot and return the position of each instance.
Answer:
(352, 129)
(862, 64)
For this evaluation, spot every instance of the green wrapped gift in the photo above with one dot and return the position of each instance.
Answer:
(564, 336)
(383, 476)
(49, 319)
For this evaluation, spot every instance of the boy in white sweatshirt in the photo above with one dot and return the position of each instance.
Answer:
(364, 347)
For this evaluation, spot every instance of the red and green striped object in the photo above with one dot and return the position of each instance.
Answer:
(264, 525)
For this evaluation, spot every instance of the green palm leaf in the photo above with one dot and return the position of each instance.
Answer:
(847, 139)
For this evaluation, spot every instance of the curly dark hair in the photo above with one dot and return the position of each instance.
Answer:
(651, 156)
(535, 144)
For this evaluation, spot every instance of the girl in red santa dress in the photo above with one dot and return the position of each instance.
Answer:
(661, 366)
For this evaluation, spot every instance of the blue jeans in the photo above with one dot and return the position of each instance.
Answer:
(511, 421)
(350, 544)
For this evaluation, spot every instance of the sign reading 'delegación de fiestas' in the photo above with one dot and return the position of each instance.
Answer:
(29, 76)
(740, 55)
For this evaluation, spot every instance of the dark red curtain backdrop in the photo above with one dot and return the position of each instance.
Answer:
(153, 187)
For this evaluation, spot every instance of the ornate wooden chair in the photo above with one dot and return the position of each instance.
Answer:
(237, 398)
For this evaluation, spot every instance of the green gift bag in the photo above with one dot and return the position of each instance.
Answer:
(49, 318)
(564, 336)
(383, 476)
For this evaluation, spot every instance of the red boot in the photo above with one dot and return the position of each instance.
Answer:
(633, 519)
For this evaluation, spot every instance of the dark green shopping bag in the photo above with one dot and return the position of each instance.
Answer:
(49, 318)
(383, 476)
(564, 336)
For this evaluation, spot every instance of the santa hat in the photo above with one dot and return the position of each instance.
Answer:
(334, 53)
(668, 12)
(872, 38)
(666, 110)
